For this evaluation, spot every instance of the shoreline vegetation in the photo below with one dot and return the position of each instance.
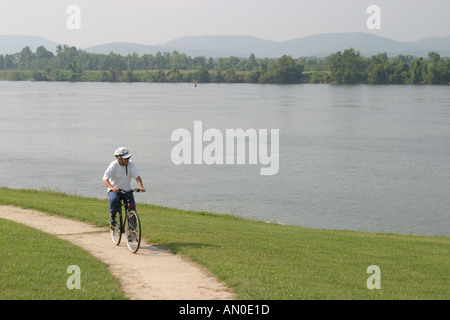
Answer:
(347, 67)
(265, 261)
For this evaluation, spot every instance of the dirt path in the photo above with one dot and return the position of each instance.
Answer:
(158, 274)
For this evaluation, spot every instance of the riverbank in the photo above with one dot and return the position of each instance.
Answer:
(154, 76)
(166, 76)
(151, 274)
(260, 260)
(348, 67)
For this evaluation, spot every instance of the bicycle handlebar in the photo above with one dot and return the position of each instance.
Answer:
(131, 191)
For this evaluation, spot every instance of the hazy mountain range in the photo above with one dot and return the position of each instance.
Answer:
(320, 45)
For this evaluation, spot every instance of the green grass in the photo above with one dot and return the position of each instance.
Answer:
(268, 261)
(34, 265)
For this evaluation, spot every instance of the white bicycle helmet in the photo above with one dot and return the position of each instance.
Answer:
(122, 153)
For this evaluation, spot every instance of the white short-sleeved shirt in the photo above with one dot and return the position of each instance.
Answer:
(120, 177)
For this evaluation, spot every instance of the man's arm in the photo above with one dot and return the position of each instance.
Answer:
(139, 182)
(110, 186)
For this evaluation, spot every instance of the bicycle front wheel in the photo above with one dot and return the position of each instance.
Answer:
(133, 231)
(116, 232)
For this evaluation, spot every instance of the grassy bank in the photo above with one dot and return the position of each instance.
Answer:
(35, 265)
(268, 261)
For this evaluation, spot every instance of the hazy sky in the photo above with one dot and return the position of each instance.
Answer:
(158, 21)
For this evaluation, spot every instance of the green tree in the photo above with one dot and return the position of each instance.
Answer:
(288, 70)
(174, 75)
(202, 75)
(179, 61)
(254, 76)
(38, 76)
(285, 70)
(436, 70)
(434, 57)
(128, 76)
(42, 53)
(230, 76)
(416, 70)
(25, 57)
(10, 61)
(401, 73)
(65, 55)
(199, 62)
(75, 71)
(114, 73)
(252, 64)
(218, 77)
(346, 67)
(378, 70)
(162, 60)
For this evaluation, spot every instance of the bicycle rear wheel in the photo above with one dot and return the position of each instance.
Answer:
(116, 234)
(133, 231)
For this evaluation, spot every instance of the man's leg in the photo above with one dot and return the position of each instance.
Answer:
(114, 204)
(132, 202)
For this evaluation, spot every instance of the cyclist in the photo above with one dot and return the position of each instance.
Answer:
(118, 176)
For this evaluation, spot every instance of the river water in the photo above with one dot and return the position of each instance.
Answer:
(366, 158)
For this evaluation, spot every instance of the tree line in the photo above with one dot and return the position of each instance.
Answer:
(347, 67)
(351, 67)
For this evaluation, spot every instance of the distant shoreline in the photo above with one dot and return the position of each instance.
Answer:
(347, 67)
(160, 76)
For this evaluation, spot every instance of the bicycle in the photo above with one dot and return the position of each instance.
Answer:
(131, 226)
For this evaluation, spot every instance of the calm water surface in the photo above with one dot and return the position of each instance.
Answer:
(370, 158)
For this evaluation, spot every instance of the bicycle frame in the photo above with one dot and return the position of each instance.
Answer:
(125, 207)
(128, 223)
